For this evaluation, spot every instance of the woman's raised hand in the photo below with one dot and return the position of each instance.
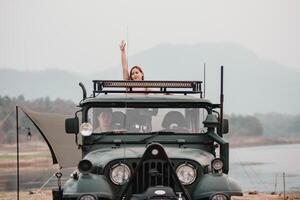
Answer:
(124, 61)
(122, 45)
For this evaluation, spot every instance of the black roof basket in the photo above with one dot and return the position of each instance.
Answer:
(164, 87)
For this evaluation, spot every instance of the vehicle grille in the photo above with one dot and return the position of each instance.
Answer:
(152, 173)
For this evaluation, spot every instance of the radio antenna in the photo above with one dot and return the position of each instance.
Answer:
(204, 79)
(221, 100)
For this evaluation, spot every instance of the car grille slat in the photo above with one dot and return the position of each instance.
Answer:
(152, 173)
(138, 181)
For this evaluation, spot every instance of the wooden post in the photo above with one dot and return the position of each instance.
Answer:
(275, 188)
(283, 176)
(18, 160)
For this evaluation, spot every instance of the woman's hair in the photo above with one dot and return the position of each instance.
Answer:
(138, 68)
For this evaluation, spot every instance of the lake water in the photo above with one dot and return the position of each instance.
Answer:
(254, 168)
(261, 168)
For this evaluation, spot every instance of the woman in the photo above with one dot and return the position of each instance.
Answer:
(104, 120)
(136, 73)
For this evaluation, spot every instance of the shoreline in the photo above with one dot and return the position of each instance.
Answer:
(250, 141)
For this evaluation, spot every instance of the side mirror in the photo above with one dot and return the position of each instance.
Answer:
(72, 125)
(225, 127)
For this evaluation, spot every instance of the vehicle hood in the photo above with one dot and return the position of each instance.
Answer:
(103, 156)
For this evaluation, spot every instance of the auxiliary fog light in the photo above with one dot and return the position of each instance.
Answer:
(120, 174)
(217, 164)
(87, 197)
(86, 129)
(85, 166)
(186, 173)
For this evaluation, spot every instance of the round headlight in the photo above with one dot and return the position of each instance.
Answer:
(87, 197)
(120, 174)
(86, 129)
(219, 197)
(217, 164)
(186, 173)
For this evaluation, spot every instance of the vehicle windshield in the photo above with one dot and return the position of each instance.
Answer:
(146, 120)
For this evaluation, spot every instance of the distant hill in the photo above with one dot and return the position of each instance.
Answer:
(252, 84)
(35, 84)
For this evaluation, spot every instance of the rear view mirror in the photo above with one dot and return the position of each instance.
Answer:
(225, 127)
(72, 125)
(149, 111)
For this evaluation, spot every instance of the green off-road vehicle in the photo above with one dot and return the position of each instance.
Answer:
(162, 142)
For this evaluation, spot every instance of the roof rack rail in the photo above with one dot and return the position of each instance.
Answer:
(170, 87)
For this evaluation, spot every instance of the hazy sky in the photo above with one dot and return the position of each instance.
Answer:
(83, 35)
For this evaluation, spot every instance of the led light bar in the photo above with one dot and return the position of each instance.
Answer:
(149, 84)
(190, 86)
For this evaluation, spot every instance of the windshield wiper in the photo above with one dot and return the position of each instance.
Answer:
(156, 133)
(102, 136)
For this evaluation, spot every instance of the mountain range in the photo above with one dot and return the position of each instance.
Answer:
(251, 84)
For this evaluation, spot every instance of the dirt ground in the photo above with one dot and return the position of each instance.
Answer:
(43, 195)
(46, 195)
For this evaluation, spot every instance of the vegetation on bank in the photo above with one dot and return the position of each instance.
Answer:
(266, 125)
(26, 128)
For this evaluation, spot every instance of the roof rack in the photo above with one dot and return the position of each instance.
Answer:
(170, 87)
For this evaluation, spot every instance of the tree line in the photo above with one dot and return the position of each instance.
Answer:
(240, 125)
(8, 114)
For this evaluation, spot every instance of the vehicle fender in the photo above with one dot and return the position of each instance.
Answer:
(97, 185)
(210, 184)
